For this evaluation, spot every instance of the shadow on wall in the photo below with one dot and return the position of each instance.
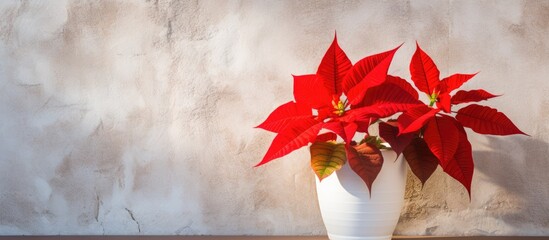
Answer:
(520, 167)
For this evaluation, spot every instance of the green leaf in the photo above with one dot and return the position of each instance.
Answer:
(327, 157)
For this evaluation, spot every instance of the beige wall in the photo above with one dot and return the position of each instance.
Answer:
(135, 117)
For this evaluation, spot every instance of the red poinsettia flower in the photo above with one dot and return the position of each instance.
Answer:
(429, 136)
(341, 98)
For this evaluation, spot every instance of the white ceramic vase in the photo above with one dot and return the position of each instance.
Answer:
(348, 211)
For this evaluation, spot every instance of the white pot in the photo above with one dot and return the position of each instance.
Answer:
(348, 211)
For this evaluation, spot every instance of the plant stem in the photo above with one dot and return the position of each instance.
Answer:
(432, 103)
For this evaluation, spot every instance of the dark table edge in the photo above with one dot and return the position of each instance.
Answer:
(224, 237)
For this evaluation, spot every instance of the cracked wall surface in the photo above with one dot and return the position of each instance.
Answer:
(136, 117)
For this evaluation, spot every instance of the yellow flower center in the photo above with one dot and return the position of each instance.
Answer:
(339, 108)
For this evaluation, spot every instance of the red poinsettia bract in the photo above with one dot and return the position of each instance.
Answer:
(345, 99)
(429, 136)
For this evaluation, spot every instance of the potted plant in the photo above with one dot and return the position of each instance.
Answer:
(341, 100)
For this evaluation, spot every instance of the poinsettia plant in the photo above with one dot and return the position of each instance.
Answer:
(340, 99)
(434, 134)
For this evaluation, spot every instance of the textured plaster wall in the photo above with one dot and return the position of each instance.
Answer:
(135, 117)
